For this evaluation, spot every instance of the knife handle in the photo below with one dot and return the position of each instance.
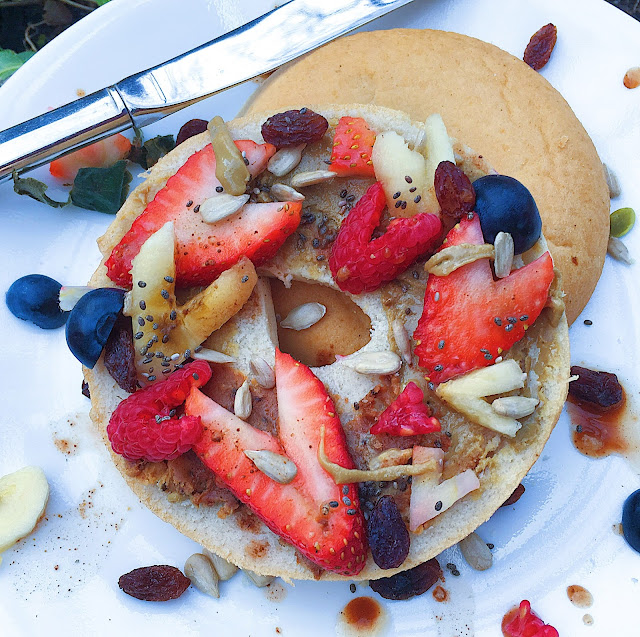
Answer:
(43, 138)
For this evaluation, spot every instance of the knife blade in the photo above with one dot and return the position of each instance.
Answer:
(260, 46)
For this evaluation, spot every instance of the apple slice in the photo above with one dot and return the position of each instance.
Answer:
(466, 394)
(166, 334)
(402, 172)
(428, 498)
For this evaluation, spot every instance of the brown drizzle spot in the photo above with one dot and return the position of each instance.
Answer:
(440, 594)
(579, 596)
(363, 614)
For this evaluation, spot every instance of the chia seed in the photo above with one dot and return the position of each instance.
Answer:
(142, 284)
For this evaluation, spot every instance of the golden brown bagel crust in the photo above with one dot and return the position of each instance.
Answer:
(490, 100)
(544, 351)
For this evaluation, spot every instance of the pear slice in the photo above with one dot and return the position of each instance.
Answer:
(466, 394)
(23, 499)
(165, 334)
(401, 170)
(438, 146)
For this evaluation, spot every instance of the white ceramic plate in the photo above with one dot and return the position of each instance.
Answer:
(63, 578)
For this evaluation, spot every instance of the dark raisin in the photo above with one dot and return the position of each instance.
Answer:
(154, 583)
(409, 583)
(539, 49)
(454, 191)
(191, 128)
(85, 389)
(598, 388)
(294, 127)
(119, 354)
(387, 533)
(514, 497)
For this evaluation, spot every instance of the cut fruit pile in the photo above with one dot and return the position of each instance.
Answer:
(299, 477)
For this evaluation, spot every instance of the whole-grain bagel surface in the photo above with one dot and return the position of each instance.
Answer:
(499, 461)
(493, 102)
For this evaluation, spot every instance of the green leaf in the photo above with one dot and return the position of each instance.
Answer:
(148, 153)
(101, 2)
(36, 190)
(10, 62)
(102, 189)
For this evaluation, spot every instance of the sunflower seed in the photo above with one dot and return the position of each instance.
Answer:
(221, 207)
(285, 160)
(612, 182)
(212, 356)
(243, 404)
(374, 362)
(263, 372)
(282, 192)
(199, 569)
(226, 570)
(503, 247)
(475, 550)
(277, 467)
(402, 340)
(310, 178)
(259, 580)
(618, 250)
(303, 316)
(515, 406)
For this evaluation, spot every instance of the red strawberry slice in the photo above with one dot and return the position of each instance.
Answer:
(103, 153)
(352, 147)
(407, 415)
(359, 264)
(468, 318)
(320, 518)
(205, 250)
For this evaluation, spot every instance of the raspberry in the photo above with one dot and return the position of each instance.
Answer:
(143, 428)
(359, 264)
(407, 415)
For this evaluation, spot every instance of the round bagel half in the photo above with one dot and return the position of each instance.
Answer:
(499, 461)
(489, 99)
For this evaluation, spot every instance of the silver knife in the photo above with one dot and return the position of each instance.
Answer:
(260, 46)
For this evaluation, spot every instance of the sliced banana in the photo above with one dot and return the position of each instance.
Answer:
(23, 499)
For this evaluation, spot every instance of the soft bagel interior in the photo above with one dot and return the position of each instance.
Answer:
(501, 463)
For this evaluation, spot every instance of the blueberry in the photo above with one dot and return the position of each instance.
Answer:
(90, 323)
(631, 520)
(34, 298)
(505, 205)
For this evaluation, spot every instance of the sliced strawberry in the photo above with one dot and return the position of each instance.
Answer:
(468, 318)
(205, 250)
(407, 415)
(320, 518)
(359, 264)
(352, 147)
(103, 153)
